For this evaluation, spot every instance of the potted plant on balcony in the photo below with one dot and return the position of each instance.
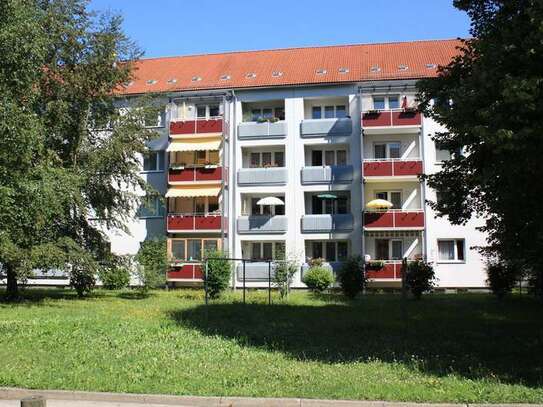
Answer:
(372, 112)
(375, 265)
(209, 165)
(177, 166)
(273, 119)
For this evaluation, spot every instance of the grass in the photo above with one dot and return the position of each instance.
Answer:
(455, 348)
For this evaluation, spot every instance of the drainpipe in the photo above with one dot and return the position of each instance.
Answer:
(423, 192)
(232, 190)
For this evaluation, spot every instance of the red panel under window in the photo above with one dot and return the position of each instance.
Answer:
(409, 219)
(209, 222)
(407, 167)
(378, 219)
(209, 174)
(378, 169)
(406, 118)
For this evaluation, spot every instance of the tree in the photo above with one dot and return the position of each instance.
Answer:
(351, 276)
(219, 271)
(61, 66)
(152, 264)
(490, 100)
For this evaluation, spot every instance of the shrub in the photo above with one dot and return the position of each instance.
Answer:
(219, 271)
(375, 265)
(420, 278)
(501, 278)
(316, 262)
(318, 278)
(284, 270)
(351, 276)
(115, 276)
(152, 264)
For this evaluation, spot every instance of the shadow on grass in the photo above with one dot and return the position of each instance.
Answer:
(473, 337)
(135, 295)
(41, 296)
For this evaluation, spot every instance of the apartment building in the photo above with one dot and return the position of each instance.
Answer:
(280, 151)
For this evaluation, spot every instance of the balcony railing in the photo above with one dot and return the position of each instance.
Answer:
(391, 271)
(194, 174)
(326, 127)
(266, 130)
(186, 271)
(262, 176)
(386, 118)
(393, 167)
(198, 126)
(256, 271)
(182, 222)
(327, 223)
(394, 218)
(262, 224)
(333, 174)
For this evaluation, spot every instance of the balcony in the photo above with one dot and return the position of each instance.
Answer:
(409, 121)
(189, 271)
(392, 167)
(194, 223)
(327, 223)
(326, 127)
(262, 224)
(394, 219)
(391, 271)
(334, 174)
(262, 176)
(196, 174)
(257, 271)
(198, 126)
(265, 130)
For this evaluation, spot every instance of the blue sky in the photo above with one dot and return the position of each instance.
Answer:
(181, 27)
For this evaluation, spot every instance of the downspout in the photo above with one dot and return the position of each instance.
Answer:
(423, 191)
(231, 191)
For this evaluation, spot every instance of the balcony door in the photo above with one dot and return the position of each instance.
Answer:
(328, 157)
(385, 151)
(394, 197)
(388, 249)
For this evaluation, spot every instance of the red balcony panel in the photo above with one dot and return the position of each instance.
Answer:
(407, 167)
(210, 222)
(186, 271)
(376, 119)
(379, 219)
(184, 175)
(400, 118)
(378, 168)
(409, 219)
(389, 271)
(180, 222)
(209, 174)
(196, 126)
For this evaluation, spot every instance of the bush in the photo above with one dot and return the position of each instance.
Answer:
(351, 276)
(152, 264)
(284, 270)
(318, 278)
(501, 278)
(420, 278)
(115, 276)
(219, 272)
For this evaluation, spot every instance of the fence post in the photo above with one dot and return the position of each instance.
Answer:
(243, 264)
(34, 401)
(205, 280)
(269, 282)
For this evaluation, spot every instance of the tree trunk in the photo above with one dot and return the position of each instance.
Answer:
(12, 286)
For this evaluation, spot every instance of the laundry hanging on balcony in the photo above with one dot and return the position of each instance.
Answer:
(196, 144)
(379, 204)
(184, 192)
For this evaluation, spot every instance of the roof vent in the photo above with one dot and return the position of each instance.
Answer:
(225, 77)
(151, 81)
(403, 67)
(320, 71)
(250, 75)
(277, 74)
(172, 80)
(431, 66)
(196, 78)
(375, 68)
(343, 70)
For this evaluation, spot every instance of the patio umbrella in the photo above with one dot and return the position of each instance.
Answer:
(270, 201)
(327, 196)
(379, 204)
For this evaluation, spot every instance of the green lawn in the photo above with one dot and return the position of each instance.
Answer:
(455, 348)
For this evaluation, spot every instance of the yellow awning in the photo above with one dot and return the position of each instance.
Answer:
(189, 192)
(196, 144)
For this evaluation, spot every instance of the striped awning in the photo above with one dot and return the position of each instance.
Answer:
(189, 192)
(196, 144)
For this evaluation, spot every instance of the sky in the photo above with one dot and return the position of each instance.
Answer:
(182, 27)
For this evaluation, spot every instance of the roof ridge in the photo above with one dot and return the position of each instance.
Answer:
(299, 48)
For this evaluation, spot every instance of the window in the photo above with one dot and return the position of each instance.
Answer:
(387, 150)
(267, 113)
(153, 161)
(386, 102)
(397, 249)
(207, 111)
(266, 250)
(194, 249)
(328, 112)
(330, 251)
(178, 249)
(379, 103)
(331, 157)
(388, 249)
(191, 249)
(201, 111)
(210, 245)
(151, 207)
(266, 159)
(443, 154)
(394, 197)
(214, 111)
(394, 102)
(451, 250)
(340, 205)
(198, 205)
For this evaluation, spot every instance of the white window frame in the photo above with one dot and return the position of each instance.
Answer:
(208, 110)
(390, 243)
(323, 110)
(157, 167)
(455, 242)
(261, 109)
(323, 158)
(389, 192)
(387, 149)
(260, 159)
(323, 244)
(386, 98)
(261, 248)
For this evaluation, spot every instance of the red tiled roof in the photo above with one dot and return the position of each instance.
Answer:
(297, 66)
